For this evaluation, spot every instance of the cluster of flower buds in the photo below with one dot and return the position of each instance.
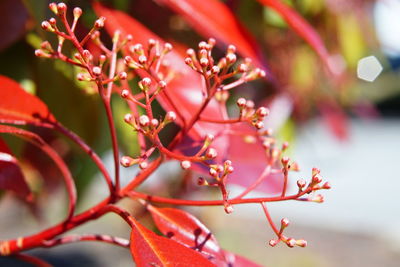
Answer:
(250, 114)
(141, 57)
(314, 185)
(219, 174)
(289, 241)
(203, 62)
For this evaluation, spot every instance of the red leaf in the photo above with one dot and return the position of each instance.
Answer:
(11, 177)
(37, 141)
(249, 160)
(302, 28)
(14, 17)
(20, 107)
(183, 227)
(224, 26)
(335, 118)
(185, 89)
(149, 249)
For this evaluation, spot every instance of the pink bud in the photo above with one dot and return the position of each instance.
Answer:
(204, 62)
(96, 71)
(242, 68)
(315, 171)
(259, 125)
(40, 53)
(285, 222)
(122, 75)
(291, 242)
(301, 243)
(128, 118)
(285, 161)
(201, 181)
(146, 81)
(317, 178)
(231, 49)
(170, 116)
(61, 8)
(228, 162)
(185, 164)
(211, 153)
(203, 45)
(285, 145)
(213, 172)
(144, 120)
(220, 168)
(188, 61)
(326, 185)
(229, 169)
(46, 26)
(215, 70)
(262, 111)
(231, 58)
(52, 21)
(124, 93)
(99, 23)
(228, 209)
(301, 183)
(273, 242)
(249, 104)
(53, 7)
(167, 47)
(129, 38)
(241, 102)
(211, 41)
(127, 161)
(142, 59)
(143, 165)
(80, 77)
(154, 123)
(77, 12)
(210, 137)
(162, 84)
(190, 52)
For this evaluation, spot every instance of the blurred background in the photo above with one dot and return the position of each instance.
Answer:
(347, 124)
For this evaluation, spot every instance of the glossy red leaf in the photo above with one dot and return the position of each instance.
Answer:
(302, 28)
(212, 18)
(149, 249)
(20, 107)
(38, 141)
(183, 227)
(249, 161)
(11, 177)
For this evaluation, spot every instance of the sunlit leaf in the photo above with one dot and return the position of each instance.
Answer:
(149, 249)
(183, 227)
(225, 27)
(20, 107)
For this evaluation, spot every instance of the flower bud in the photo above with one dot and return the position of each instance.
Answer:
(41, 53)
(229, 169)
(128, 118)
(301, 243)
(228, 209)
(215, 70)
(144, 121)
(213, 172)
(190, 52)
(231, 58)
(170, 116)
(53, 7)
(326, 185)
(47, 26)
(77, 12)
(284, 222)
(291, 242)
(301, 183)
(259, 125)
(167, 47)
(242, 68)
(273, 242)
(202, 181)
(96, 70)
(143, 165)
(231, 49)
(204, 62)
(99, 23)
(122, 75)
(241, 102)
(211, 153)
(317, 179)
(61, 9)
(127, 161)
(315, 171)
(185, 164)
(262, 111)
(124, 93)
(154, 123)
